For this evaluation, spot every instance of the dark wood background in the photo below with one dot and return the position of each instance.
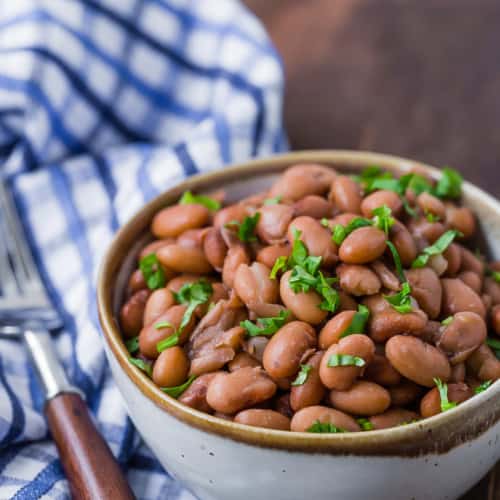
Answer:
(416, 78)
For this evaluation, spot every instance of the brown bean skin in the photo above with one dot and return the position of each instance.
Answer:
(358, 280)
(342, 219)
(387, 278)
(404, 243)
(430, 204)
(393, 417)
(253, 284)
(231, 392)
(457, 373)
(236, 256)
(460, 338)
(242, 360)
(284, 352)
(363, 398)
(495, 318)
(312, 391)
(426, 289)
(453, 256)
(215, 248)
(313, 206)
(380, 198)
(195, 395)
(273, 223)
(334, 328)
(136, 282)
(362, 246)
(268, 255)
(171, 367)
(382, 372)
(345, 194)
(417, 360)
(150, 336)
(132, 312)
(470, 262)
(154, 246)
(192, 238)
(282, 405)
(263, 418)
(228, 214)
(458, 297)
(472, 280)
(404, 393)
(255, 346)
(175, 284)
(425, 231)
(184, 259)
(431, 403)
(342, 377)
(158, 303)
(306, 417)
(483, 364)
(492, 288)
(346, 302)
(387, 324)
(462, 219)
(173, 221)
(303, 305)
(316, 238)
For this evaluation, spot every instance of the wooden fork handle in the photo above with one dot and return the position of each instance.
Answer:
(91, 469)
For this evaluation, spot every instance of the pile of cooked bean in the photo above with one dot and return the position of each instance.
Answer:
(329, 303)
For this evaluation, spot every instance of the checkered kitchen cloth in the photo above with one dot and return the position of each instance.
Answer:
(104, 104)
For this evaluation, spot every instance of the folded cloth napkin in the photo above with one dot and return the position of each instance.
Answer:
(103, 105)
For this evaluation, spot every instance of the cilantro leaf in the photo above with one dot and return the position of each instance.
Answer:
(494, 274)
(142, 365)
(170, 341)
(383, 218)
(432, 217)
(265, 326)
(272, 201)
(302, 375)
(383, 182)
(437, 248)
(246, 229)
(365, 424)
(481, 388)
(397, 261)
(132, 344)
(450, 184)
(188, 198)
(358, 322)
(401, 301)
(409, 210)
(443, 394)
(324, 427)
(345, 360)
(153, 273)
(163, 324)
(416, 183)
(493, 343)
(301, 281)
(341, 232)
(447, 321)
(280, 264)
(176, 391)
(331, 298)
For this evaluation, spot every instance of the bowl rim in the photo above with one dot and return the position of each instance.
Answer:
(437, 434)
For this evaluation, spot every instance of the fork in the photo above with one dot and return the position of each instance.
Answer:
(26, 313)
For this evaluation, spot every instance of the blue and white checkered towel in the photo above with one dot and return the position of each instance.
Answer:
(104, 104)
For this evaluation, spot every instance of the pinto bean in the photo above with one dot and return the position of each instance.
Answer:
(393, 417)
(426, 289)
(232, 213)
(382, 372)
(470, 262)
(425, 231)
(192, 238)
(132, 312)
(303, 305)
(312, 391)
(345, 194)
(157, 304)
(255, 346)
(154, 246)
(282, 405)
(263, 418)
(301, 180)
(387, 324)
(430, 204)
(231, 392)
(268, 255)
(342, 377)
(417, 360)
(362, 246)
(438, 264)
(461, 219)
(458, 297)
(171, 367)
(175, 284)
(483, 364)
(472, 280)
(431, 403)
(461, 337)
(453, 256)
(334, 328)
(195, 395)
(404, 243)
(387, 278)
(346, 302)
(184, 259)
(377, 304)
(236, 255)
(273, 223)
(253, 284)
(457, 373)
(242, 360)
(380, 198)
(306, 417)
(215, 248)
(173, 221)
(316, 238)
(342, 219)
(284, 352)
(136, 282)
(492, 288)
(358, 280)
(150, 335)
(495, 318)
(404, 393)
(313, 206)
(363, 398)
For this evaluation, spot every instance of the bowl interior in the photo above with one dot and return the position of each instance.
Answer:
(244, 180)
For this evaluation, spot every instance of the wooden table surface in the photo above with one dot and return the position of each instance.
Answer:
(414, 78)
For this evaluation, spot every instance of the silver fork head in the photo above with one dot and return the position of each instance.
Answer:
(23, 296)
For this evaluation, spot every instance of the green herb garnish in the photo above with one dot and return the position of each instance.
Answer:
(383, 218)
(163, 324)
(432, 217)
(153, 273)
(246, 228)
(272, 201)
(365, 424)
(345, 360)
(176, 391)
(142, 365)
(193, 294)
(409, 210)
(331, 298)
(481, 388)
(341, 232)
(401, 301)
(493, 343)
(302, 375)
(325, 427)
(437, 248)
(280, 264)
(494, 274)
(188, 198)
(170, 341)
(265, 326)
(358, 322)
(447, 321)
(443, 394)
(132, 344)
(450, 184)
(397, 261)
(416, 183)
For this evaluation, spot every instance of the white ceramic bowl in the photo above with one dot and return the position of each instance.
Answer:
(437, 458)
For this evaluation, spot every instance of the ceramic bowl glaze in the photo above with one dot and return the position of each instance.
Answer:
(437, 458)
